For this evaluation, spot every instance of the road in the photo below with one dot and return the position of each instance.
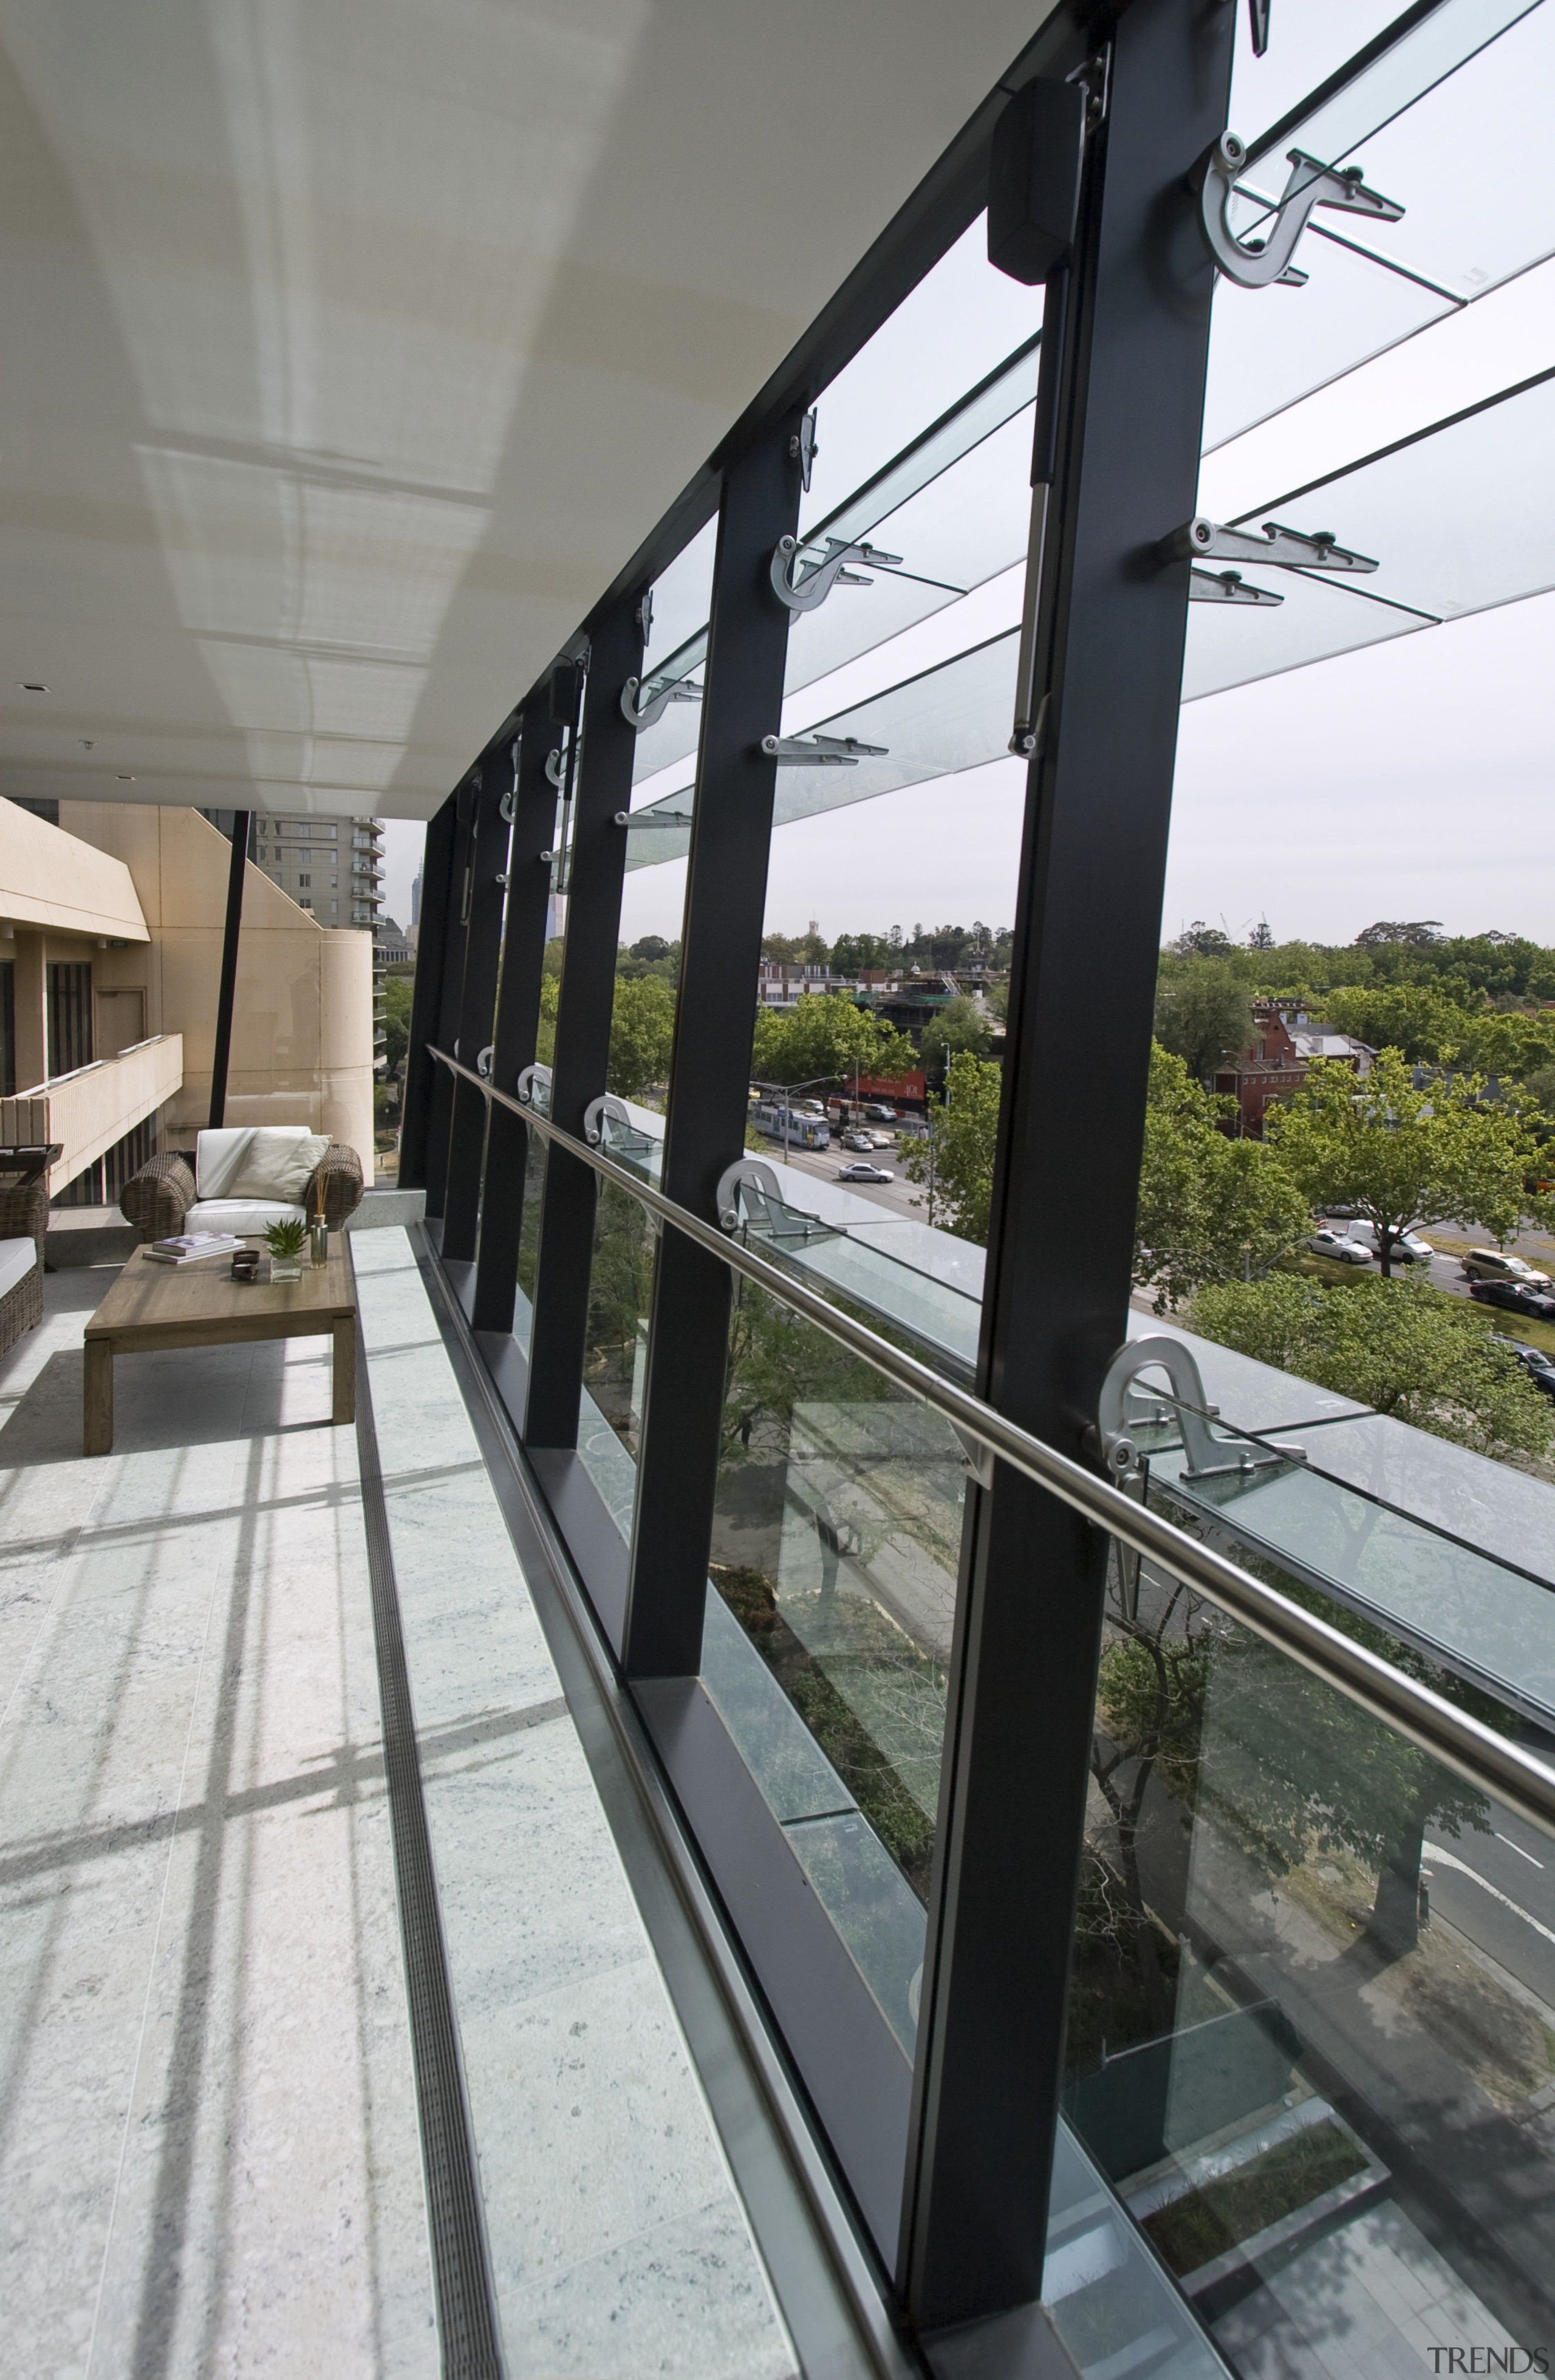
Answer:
(1499, 1889)
(897, 1197)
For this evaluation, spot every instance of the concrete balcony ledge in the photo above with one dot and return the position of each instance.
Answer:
(89, 1110)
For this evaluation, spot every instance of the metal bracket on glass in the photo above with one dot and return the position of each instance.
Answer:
(483, 1062)
(808, 592)
(1227, 587)
(1254, 264)
(635, 818)
(1270, 547)
(639, 716)
(644, 615)
(606, 1109)
(534, 1082)
(977, 1456)
(753, 1171)
(803, 449)
(821, 751)
(556, 769)
(1258, 25)
(1110, 1443)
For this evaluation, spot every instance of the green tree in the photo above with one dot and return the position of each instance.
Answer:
(959, 1026)
(1399, 1346)
(641, 1035)
(852, 954)
(823, 1037)
(397, 994)
(1416, 1018)
(1204, 1011)
(1211, 1208)
(1403, 1155)
(953, 1164)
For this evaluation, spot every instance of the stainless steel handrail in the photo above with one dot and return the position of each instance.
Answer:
(1460, 1741)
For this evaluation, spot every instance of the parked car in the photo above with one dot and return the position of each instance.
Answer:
(1489, 1264)
(864, 1142)
(865, 1174)
(1335, 1245)
(1513, 1297)
(881, 1112)
(1534, 1360)
(1409, 1248)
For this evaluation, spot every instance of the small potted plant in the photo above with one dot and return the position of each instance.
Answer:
(286, 1243)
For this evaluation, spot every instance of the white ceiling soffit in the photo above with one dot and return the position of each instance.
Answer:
(353, 346)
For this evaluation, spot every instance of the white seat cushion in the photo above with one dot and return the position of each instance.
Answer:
(247, 1217)
(257, 1160)
(16, 1260)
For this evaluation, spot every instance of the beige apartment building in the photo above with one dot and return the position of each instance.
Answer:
(111, 933)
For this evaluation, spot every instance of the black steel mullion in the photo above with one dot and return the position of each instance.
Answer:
(450, 991)
(477, 997)
(227, 990)
(432, 944)
(721, 948)
(517, 1024)
(1111, 638)
(596, 870)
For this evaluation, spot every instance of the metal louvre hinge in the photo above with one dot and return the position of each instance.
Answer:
(644, 713)
(636, 818)
(1201, 540)
(1255, 263)
(821, 751)
(810, 589)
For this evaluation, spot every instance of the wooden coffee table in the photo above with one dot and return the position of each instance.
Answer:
(152, 1306)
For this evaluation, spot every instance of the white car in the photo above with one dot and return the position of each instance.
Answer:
(865, 1174)
(1408, 1248)
(1335, 1245)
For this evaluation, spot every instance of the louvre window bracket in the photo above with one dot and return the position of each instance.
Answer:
(644, 713)
(821, 751)
(1255, 263)
(810, 591)
(1273, 546)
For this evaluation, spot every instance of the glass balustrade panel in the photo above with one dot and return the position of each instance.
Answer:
(1311, 2027)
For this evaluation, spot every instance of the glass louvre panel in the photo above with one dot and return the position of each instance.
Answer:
(1458, 520)
(1268, 347)
(952, 718)
(959, 323)
(837, 1539)
(1231, 644)
(1417, 64)
(1462, 232)
(675, 651)
(979, 459)
(963, 529)
(1306, 2034)
(1305, 49)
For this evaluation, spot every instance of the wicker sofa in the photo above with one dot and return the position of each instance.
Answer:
(24, 1217)
(157, 1199)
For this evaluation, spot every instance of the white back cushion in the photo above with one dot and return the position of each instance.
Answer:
(277, 1165)
(217, 1157)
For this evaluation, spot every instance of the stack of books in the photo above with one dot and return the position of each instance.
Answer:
(191, 1247)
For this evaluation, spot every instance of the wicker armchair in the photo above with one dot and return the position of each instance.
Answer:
(24, 1214)
(157, 1198)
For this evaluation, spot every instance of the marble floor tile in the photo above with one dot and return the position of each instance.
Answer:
(680, 2300)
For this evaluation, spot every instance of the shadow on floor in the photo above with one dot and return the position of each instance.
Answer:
(183, 1397)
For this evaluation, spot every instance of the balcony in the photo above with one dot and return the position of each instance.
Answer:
(92, 1108)
(209, 1828)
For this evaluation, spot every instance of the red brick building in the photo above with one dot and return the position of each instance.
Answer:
(1285, 1040)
